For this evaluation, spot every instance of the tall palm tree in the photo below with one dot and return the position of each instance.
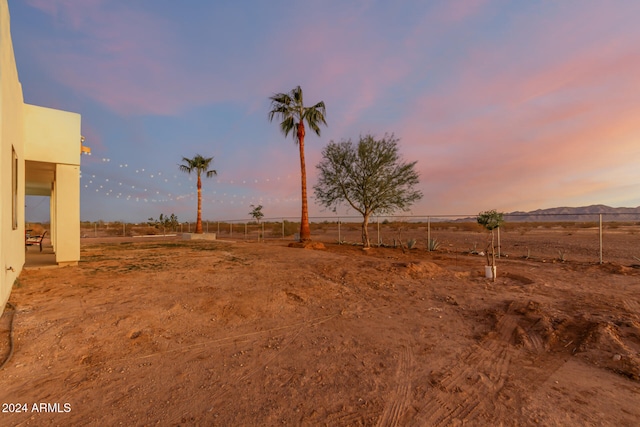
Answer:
(290, 109)
(198, 164)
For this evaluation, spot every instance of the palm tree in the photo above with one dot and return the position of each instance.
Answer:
(291, 110)
(198, 164)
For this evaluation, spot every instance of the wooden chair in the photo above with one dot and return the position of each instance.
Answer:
(34, 240)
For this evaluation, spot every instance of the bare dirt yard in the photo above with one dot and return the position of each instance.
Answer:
(176, 332)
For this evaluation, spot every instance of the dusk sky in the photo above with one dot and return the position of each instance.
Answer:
(508, 105)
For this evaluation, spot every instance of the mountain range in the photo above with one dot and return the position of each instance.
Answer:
(584, 213)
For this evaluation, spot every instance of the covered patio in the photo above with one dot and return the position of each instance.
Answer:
(52, 169)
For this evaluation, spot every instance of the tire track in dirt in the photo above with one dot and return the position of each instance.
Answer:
(469, 390)
(632, 306)
(400, 397)
(222, 390)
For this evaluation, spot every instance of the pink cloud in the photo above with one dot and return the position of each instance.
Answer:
(459, 11)
(122, 57)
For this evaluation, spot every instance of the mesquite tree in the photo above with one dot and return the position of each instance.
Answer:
(370, 177)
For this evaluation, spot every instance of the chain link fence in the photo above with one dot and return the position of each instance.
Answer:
(555, 238)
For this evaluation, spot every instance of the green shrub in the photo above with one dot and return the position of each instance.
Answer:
(290, 228)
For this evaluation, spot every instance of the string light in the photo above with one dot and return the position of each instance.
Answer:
(138, 193)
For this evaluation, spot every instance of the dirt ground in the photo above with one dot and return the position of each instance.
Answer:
(176, 332)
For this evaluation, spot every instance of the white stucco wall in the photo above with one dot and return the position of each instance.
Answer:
(51, 136)
(11, 136)
(47, 145)
(66, 204)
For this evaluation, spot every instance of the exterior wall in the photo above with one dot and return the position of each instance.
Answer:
(66, 217)
(51, 136)
(11, 137)
(46, 143)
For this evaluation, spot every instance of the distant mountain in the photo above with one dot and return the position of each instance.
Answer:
(585, 213)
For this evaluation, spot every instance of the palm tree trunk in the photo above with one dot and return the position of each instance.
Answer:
(305, 231)
(199, 216)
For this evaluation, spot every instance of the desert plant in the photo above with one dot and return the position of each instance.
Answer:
(562, 255)
(411, 243)
(433, 244)
(491, 220)
(165, 222)
(256, 213)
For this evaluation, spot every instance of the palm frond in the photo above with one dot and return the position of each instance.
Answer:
(290, 109)
(314, 116)
(288, 125)
(198, 163)
(296, 94)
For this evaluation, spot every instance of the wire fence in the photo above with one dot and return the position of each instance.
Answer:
(605, 237)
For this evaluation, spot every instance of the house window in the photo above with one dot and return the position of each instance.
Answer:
(14, 189)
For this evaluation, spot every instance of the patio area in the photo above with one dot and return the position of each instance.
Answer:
(35, 259)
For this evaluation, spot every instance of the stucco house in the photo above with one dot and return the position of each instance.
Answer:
(40, 150)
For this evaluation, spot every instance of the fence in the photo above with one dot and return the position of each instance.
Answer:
(553, 238)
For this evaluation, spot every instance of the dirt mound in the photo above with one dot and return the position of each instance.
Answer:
(611, 345)
(604, 344)
(307, 245)
(616, 268)
(533, 329)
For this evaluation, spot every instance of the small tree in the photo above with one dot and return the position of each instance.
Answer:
(256, 213)
(491, 220)
(370, 177)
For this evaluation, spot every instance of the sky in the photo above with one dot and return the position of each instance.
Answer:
(504, 105)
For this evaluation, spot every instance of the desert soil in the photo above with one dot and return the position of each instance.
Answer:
(175, 332)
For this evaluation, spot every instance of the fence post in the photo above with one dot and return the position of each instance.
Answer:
(339, 239)
(600, 238)
(262, 233)
(245, 231)
(282, 228)
(218, 228)
(379, 231)
(230, 229)
(429, 233)
(124, 229)
(498, 242)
